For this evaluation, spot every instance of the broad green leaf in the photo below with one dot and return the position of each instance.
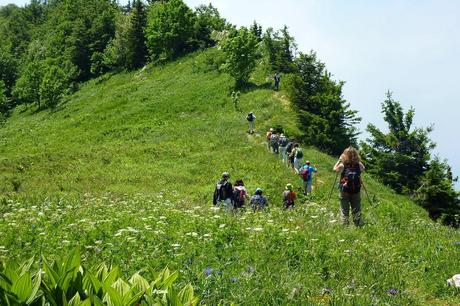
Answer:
(122, 287)
(51, 276)
(133, 300)
(75, 300)
(37, 282)
(111, 276)
(22, 287)
(72, 261)
(140, 283)
(112, 297)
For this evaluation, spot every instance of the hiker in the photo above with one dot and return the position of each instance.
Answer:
(298, 158)
(258, 201)
(289, 148)
(274, 143)
(240, 194)
(269, 135)
(289, 197)
(292, 156)
(277, 79)
(306, 173)
(350, 167)
(282, 143)
(223, 194)
(251, 119)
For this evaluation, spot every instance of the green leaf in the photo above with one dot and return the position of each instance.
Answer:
(111, 276)
(51, 275)
(22, 287)
(33, 295)
(112, 297)
(140, 283)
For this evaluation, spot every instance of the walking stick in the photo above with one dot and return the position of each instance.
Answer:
(367, 194)
(333, 185)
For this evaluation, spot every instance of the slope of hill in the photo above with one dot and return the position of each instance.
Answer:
(126, 169)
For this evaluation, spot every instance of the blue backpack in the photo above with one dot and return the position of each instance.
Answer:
(350, 181)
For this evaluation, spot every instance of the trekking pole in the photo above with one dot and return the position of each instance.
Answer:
(367, 194)
(332, 189)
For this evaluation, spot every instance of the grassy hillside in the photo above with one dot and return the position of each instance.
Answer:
(126, 169)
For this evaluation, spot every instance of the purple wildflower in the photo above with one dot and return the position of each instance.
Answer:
(208, 271)
(393, 291)
(233, 279)
(457, 243)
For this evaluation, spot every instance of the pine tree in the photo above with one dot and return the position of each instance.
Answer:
(400, 156)
(137, 36)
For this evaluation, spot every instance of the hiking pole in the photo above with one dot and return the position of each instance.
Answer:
(333, 185)
(367, 194)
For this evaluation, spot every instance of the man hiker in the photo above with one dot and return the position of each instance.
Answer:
(277, 79)
(240, 194)
(350, 168)
(289, 148)
(223, 194)
(306, 174)
(274, 143)
(292, 156)
(298, 158)
(269, 136)
(289, 197)
(282, 142)
(251, 119)
(258, 201)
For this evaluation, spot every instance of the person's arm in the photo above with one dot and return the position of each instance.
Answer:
(361, 167)
(338, 167)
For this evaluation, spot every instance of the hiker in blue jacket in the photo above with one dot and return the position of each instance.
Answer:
(306, 174)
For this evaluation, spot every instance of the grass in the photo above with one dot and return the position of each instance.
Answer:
(125, 169)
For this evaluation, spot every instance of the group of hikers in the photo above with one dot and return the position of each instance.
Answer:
(349, 167)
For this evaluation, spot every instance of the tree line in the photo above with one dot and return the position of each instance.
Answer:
(50, 47)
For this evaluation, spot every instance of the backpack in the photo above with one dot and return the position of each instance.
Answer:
(305, 174)
(298, 153)
(351, 179)
(283, 142)
(239, 195)
(289, 197)
(289, 147)
(269, 135)
(250, 117)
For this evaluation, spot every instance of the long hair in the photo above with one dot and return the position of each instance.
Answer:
(350, 157)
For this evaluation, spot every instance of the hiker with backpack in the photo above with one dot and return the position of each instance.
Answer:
(277, 79)
(282, 143)
(350, 168)
(250, 118)
(274, 143)
(289, 197)
(240, 194)
(269, 136)
(298, 156)
(223, 193)
(292, 156)
(306, 173)
(258, 201)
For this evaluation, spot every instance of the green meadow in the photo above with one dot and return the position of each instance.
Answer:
(124, 169)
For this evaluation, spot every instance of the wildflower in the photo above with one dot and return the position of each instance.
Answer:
(457, 243)
(393, 291)
(258, 229)
(233, 279)
(325, 291)
(208, 271)
(250, 270)
(222, 226)
(341, 240)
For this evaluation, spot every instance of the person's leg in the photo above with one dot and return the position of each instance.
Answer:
(309, 183)
(345, 207)
(305, 186)
(356, 208)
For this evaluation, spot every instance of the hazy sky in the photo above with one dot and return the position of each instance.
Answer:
(410, 47)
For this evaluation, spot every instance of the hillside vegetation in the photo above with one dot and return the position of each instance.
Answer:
(125, 169)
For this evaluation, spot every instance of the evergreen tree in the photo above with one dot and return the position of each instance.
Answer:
(437, 193)
(279, 50)
(137, 36)
(401, 156)
(256, 30)
(326, 119)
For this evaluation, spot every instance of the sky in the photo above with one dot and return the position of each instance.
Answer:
(409, 47)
